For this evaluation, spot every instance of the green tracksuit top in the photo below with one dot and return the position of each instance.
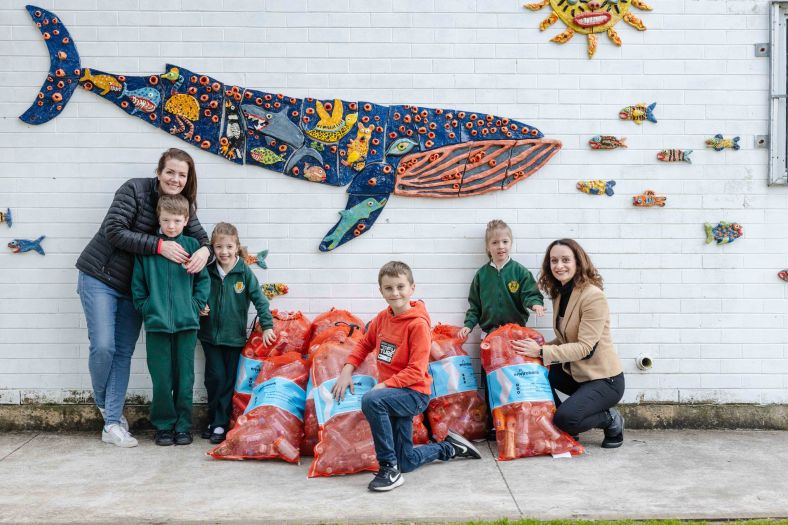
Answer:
(169, 298)
(229, 301)
(500, 297)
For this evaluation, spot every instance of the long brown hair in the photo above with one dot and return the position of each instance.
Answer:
(585, 273)
(225, 228)
(190, 188)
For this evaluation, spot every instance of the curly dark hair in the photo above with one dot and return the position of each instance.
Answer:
(585, 274)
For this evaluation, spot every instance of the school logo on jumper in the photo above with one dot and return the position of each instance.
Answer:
(513, 286)
(239, 287)
(386, 353)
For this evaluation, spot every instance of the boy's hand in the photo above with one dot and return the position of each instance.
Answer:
(205, 311)
(269, 336)
(463, 333)
(344, 381)
(538, 310)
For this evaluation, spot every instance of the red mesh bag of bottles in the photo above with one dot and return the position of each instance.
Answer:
(455, 402)
(340, 336)
(296, 325)
(345, 445)
(521, 399)
(272, 426)
(331, 318)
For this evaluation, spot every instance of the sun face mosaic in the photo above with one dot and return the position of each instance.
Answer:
(590, 17)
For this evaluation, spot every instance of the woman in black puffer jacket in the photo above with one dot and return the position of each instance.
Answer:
(105, 267)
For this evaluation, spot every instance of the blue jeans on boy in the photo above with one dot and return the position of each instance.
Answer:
(113, 329)
(390, 413)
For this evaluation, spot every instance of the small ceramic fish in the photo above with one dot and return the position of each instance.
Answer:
(597, 187)
(23, 245)
(607, 142)
(723, 232)
(6, 217)
(265, 156)
(638, 113)
(648, 199)
(719, 143)
(783, 275)
(314, 173)
(675, 155)
(258, 259)
(271, 290)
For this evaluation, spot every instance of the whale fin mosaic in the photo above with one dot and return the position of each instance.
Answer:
(377, 150)
(590, 17)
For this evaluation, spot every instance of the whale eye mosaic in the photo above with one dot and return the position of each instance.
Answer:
(590, 17)
(377, 150)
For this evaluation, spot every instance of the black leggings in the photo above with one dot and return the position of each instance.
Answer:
(587, 404)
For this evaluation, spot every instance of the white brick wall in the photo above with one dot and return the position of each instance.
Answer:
(713, 319)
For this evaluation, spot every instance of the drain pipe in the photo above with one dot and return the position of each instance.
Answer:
(644, 361)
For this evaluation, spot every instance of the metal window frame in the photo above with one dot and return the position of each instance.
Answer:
(778, 93)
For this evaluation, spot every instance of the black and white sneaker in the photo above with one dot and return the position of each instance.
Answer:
(387, 478)
(462, 447)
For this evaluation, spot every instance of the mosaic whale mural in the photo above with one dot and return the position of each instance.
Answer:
(378, 150)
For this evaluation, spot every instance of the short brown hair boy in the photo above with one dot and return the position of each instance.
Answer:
(395, 269)
(174, 204)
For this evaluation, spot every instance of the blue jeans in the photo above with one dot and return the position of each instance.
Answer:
(390, 413)
(113, 329)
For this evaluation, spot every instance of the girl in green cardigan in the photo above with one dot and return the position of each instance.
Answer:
(223, 324)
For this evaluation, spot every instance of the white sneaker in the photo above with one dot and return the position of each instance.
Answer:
(123, 421)
(116, 435)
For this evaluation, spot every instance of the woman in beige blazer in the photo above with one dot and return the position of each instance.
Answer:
(585, 363)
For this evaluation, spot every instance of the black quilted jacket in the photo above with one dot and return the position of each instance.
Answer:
(128, 229)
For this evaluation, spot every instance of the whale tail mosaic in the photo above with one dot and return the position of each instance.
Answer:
(378, 150)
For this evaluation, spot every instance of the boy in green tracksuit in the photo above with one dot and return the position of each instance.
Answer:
(223, 324)
(170, 300)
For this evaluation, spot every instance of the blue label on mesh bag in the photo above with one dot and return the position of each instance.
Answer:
(452, 375)
(518, 383)
(281, 393)
(248, 370)
(327, 407)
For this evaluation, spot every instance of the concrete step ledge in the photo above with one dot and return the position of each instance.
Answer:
(68, 417)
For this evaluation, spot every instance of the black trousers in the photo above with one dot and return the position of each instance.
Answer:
(221, 366)
(587, 404)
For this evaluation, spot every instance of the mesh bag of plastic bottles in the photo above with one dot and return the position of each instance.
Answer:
(339, 336)
(521, 399)
(455, 402)
(345, 445)
(296, 325)
(331, 318)
(272, 426)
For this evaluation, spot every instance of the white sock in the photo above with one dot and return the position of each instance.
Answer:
(218, 430)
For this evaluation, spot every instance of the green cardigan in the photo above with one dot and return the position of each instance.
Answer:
(168, 297)
(500, 297)
(230, 297)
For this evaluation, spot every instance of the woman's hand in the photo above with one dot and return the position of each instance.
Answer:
(526, 347)
(198, 260)
(205, 311)
(463, 333)
(269, 336)
(344, 381)
(173, 251)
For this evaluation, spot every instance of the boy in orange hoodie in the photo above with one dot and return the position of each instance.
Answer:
(400, 338)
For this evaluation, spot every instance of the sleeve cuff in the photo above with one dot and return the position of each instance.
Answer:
(158, 246)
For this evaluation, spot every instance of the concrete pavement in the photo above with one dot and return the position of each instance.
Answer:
(75, 478)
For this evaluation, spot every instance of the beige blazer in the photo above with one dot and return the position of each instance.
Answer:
(583, 346)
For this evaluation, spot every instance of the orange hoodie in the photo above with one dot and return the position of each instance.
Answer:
(402, 348)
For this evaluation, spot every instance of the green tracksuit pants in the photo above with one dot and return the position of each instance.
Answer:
(171, 367)
(221, 367)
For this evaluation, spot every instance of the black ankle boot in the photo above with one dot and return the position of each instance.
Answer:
(614, 433)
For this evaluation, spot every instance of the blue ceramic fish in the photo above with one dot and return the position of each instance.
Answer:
(403, 150)
(723, 232)
(23, 245)
(7, 217)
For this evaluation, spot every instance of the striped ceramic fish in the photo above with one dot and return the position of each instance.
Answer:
(675, 155)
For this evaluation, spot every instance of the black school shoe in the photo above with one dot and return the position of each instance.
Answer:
(614, 433)
(462, 447)
(206, 434)
(164, 438)
(217, 437)
(183, 438)
(387, 478)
